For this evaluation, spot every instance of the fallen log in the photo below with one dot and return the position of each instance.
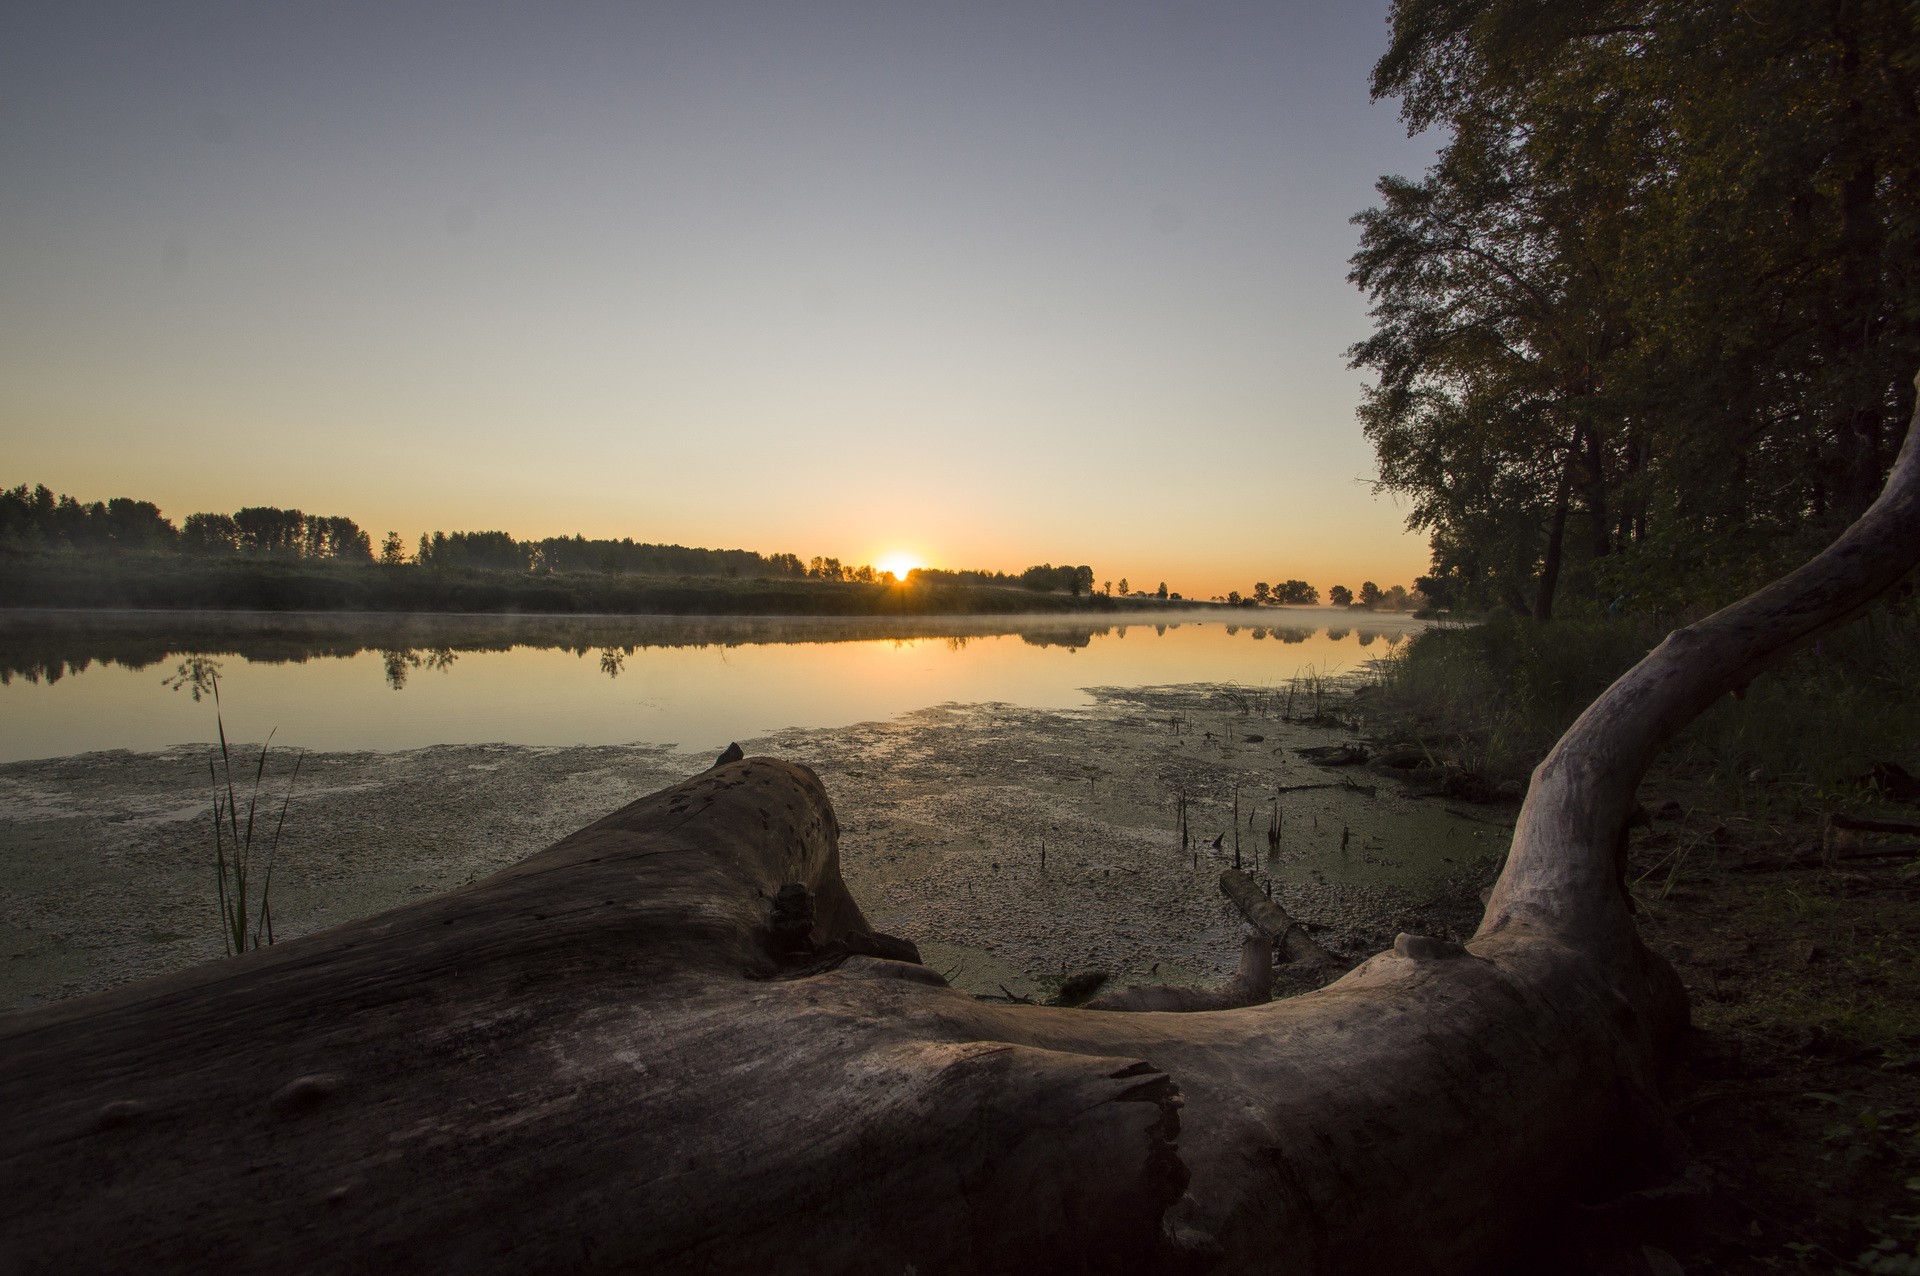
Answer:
(602, 1058)
(1826, 858)
(1334, 754)
(1367, 790)
(1840, 836)
(1839, 821)
(1289, 939)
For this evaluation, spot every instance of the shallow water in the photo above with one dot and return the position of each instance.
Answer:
(1021, 828)
(1011, 844)
(79, 682)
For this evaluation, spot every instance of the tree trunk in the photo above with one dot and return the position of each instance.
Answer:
(1597, 501)
(618, 1055)
(1556, 536)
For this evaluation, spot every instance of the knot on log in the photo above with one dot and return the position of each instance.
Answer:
(790, 919)
(119, 1112)
(303, 1094)
(791, 922)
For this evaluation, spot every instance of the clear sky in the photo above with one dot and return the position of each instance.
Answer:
(987, 283)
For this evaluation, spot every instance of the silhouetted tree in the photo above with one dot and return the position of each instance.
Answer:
(1340, 596)
(138, 525)
(210, 534)
(1436, 590)
(37, 519)
(1046, 578)
(1296, 592)
(268, 529)
(495, 551)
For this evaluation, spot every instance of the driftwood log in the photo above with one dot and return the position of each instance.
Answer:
(604, 1058)
(1275, 935)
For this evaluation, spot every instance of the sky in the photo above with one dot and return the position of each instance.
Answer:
(983, 284)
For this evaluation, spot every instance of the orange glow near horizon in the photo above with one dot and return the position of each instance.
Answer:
(899, 563)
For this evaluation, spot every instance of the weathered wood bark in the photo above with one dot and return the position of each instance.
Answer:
(597, 1060)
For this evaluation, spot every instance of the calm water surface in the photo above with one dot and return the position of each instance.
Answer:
(77, 682)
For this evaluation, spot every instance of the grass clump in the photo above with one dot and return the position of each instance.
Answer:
(246, 917)
(1495, 696)
(1808, 734)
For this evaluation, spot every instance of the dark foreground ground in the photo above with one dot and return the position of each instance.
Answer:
(1798, 1092)
(1017, 846)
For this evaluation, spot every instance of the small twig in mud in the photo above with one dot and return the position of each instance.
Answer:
(1368, 789)
(1014, 996)
(1236, 826)
(1817, 859)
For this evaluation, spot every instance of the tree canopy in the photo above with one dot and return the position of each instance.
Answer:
(1649, 320)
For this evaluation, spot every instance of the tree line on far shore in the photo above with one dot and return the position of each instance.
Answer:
(35, 519)
(1300, 593)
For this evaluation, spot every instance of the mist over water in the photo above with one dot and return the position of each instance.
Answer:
(73, 683)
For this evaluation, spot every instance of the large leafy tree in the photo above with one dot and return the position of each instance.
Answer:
(1652, 313)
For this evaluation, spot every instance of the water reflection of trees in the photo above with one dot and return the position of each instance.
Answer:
(399, 663)
(196, 675)
(46, 648)
(1071, 639)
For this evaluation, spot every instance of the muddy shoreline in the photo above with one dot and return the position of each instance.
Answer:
(106, 870)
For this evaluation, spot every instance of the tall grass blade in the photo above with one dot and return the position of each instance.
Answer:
(265, 924)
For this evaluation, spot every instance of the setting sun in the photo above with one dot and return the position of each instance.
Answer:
(899, 565)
